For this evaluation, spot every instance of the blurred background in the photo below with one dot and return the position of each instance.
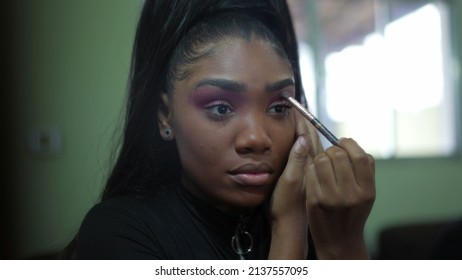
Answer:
(385, 72)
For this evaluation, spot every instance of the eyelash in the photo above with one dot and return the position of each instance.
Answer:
(215, 115)
(284, 106)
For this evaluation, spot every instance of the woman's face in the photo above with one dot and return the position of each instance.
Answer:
(232, 129)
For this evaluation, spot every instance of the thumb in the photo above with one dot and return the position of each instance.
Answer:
(298, 157)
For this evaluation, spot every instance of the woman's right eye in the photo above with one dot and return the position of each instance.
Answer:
(219, 112)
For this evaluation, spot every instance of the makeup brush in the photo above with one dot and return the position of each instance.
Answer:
(313, 120)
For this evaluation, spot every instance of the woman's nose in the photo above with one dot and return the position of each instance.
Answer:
(252, 136)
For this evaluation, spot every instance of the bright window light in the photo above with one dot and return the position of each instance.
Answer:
(393, 93)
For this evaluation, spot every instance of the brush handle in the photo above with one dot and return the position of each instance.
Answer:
(313, 120)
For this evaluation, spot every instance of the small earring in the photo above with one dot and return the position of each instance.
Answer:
(167, 134)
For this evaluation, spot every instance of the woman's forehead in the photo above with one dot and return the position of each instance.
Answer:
(237, 56)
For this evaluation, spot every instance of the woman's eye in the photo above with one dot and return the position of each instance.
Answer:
(219, 112)
(220, 109)
(281, 108)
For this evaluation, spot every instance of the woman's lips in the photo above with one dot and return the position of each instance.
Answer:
(252, 174)
(251, 179)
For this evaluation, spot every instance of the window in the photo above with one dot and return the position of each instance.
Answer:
(381, 72)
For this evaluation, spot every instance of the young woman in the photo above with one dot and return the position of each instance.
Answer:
(214, 164)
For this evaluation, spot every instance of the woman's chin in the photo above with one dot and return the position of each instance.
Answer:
(244, 201)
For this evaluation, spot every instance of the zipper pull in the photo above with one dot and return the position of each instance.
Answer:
(242, 240)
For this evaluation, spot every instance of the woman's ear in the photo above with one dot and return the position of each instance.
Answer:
(164, 114)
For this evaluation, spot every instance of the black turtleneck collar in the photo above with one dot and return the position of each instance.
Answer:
(223, 225)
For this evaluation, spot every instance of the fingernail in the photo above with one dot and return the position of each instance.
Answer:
(303, 141)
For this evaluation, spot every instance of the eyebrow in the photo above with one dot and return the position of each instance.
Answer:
(280, 85)
(234, 86)
(224, 84)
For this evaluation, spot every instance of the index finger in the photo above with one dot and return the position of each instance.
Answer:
(363, 163)
(303, 126)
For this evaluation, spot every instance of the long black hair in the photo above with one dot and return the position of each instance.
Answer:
(145, 161)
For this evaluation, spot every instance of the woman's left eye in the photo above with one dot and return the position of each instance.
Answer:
(280, 108)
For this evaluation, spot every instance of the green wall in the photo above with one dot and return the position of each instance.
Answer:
(71, 64)
(72, 60)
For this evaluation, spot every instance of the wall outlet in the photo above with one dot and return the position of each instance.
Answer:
(44, 141)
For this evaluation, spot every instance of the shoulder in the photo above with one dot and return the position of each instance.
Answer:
(119, 207)
(129, 207)
(121, 228)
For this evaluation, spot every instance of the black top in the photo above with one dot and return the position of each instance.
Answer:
(174, 225)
